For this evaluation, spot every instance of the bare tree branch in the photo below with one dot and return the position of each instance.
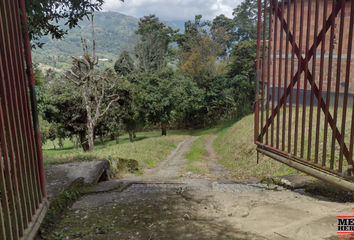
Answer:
(93, 85)
(112, 101)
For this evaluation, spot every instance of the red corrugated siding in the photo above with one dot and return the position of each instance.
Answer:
(21, 168)
(307, 79)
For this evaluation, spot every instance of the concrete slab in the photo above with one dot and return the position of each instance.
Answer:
(60, 177)
(294, 181)
(105, 186)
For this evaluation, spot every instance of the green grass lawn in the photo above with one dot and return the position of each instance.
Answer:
(237, 151)
(148, 148)
(233, 145)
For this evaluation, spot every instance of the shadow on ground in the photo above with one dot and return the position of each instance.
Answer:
(153, 213)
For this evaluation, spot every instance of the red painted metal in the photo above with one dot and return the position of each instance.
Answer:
(38, 141)
(309, 147)
(318, 64)
(29, 190)
(22, 183)
(256, 105)
(347, 76)
(10, 155)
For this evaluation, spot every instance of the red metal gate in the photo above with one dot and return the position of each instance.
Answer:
(22, 185)
(304, 116)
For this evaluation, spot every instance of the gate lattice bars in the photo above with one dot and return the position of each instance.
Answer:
(22, 185)
(304, 116)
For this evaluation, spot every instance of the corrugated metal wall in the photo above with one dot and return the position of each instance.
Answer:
(22, 187)
(306, 46)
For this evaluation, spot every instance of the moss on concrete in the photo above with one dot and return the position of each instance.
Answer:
(58, 206)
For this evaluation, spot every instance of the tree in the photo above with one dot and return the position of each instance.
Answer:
(156, 97)
(201, 61)
(151, 24)
(124, 65)
(190, 102)
(114, 121)
(150, 54)
(203, 51)
(241, 70)
(41, 104)
(198, 51)
(65, 109)
(242, 59)
(43, 16)
(245, 17)
(192, 32)
(93, 85)
(155, 37)
(223, 32)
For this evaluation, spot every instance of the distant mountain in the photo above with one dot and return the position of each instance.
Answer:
(179, 23)
(112, 33)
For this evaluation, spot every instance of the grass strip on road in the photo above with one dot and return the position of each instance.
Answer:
(196, 157)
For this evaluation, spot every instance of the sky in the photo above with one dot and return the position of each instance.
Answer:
(169, 10)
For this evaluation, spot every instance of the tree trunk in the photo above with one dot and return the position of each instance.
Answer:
(74, 139)
(163, 128)
(131, 136)
(112, 137)
(60, 143)
(134, 135)
(102, 140)
(117, 137)
(83, 141)
(90, 135)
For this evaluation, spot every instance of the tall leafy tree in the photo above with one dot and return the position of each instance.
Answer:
(65, 109)
(191, 102)
(124, 65)
(155, 95)
(121, 114)
(155, 37)
(241, 69)
(245, 17)
(201, 61)
(150, 54)
(223, 32)
(242, 59)
(198, 51)
(151, 24)
(192, 32)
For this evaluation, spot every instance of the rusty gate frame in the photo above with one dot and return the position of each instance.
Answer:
(279, 151)
(22, 182)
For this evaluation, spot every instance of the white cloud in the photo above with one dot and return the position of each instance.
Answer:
(168, 10)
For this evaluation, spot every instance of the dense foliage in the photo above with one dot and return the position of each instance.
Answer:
(168, 78)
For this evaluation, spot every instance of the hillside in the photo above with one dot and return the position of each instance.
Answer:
(237, 151)
(112, 33)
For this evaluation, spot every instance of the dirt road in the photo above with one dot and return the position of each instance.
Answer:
(166, 204)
